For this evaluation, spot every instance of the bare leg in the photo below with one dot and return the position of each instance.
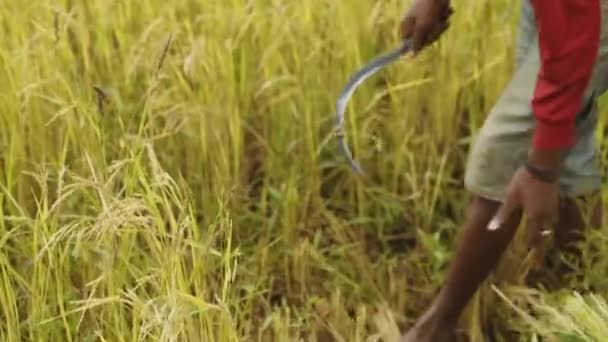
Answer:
(478, 252)
(573, 224)
(570, 231)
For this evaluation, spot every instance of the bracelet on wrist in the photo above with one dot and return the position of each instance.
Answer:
(542, 175)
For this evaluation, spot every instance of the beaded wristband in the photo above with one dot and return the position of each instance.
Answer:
(542, 175)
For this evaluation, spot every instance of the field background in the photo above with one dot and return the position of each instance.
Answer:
(168, 172)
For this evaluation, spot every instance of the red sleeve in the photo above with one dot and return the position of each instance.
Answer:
(569, 35)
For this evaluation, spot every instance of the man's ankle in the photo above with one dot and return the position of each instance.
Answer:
(432, 329)
(437, 318)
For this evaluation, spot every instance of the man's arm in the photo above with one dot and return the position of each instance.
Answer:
(569, 35)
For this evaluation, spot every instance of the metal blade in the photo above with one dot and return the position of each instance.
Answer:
(355, 81)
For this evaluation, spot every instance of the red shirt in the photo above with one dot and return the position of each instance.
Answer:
(569, 35)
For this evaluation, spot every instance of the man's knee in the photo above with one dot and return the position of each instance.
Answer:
(583, 212)
(481, 210)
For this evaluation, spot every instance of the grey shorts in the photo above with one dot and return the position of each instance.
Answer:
(505, 138)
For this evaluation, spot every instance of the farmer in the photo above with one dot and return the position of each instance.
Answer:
(535, 153)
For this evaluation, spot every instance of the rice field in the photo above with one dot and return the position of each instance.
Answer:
(169, 172)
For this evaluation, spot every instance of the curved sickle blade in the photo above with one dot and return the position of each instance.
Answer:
(355, 81)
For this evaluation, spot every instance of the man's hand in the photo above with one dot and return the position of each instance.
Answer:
(425, 21)
(538, 197)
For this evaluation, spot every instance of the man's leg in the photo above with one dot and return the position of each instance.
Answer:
(575, 219)
(496, 154)
(478, 252)
(573, 223)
